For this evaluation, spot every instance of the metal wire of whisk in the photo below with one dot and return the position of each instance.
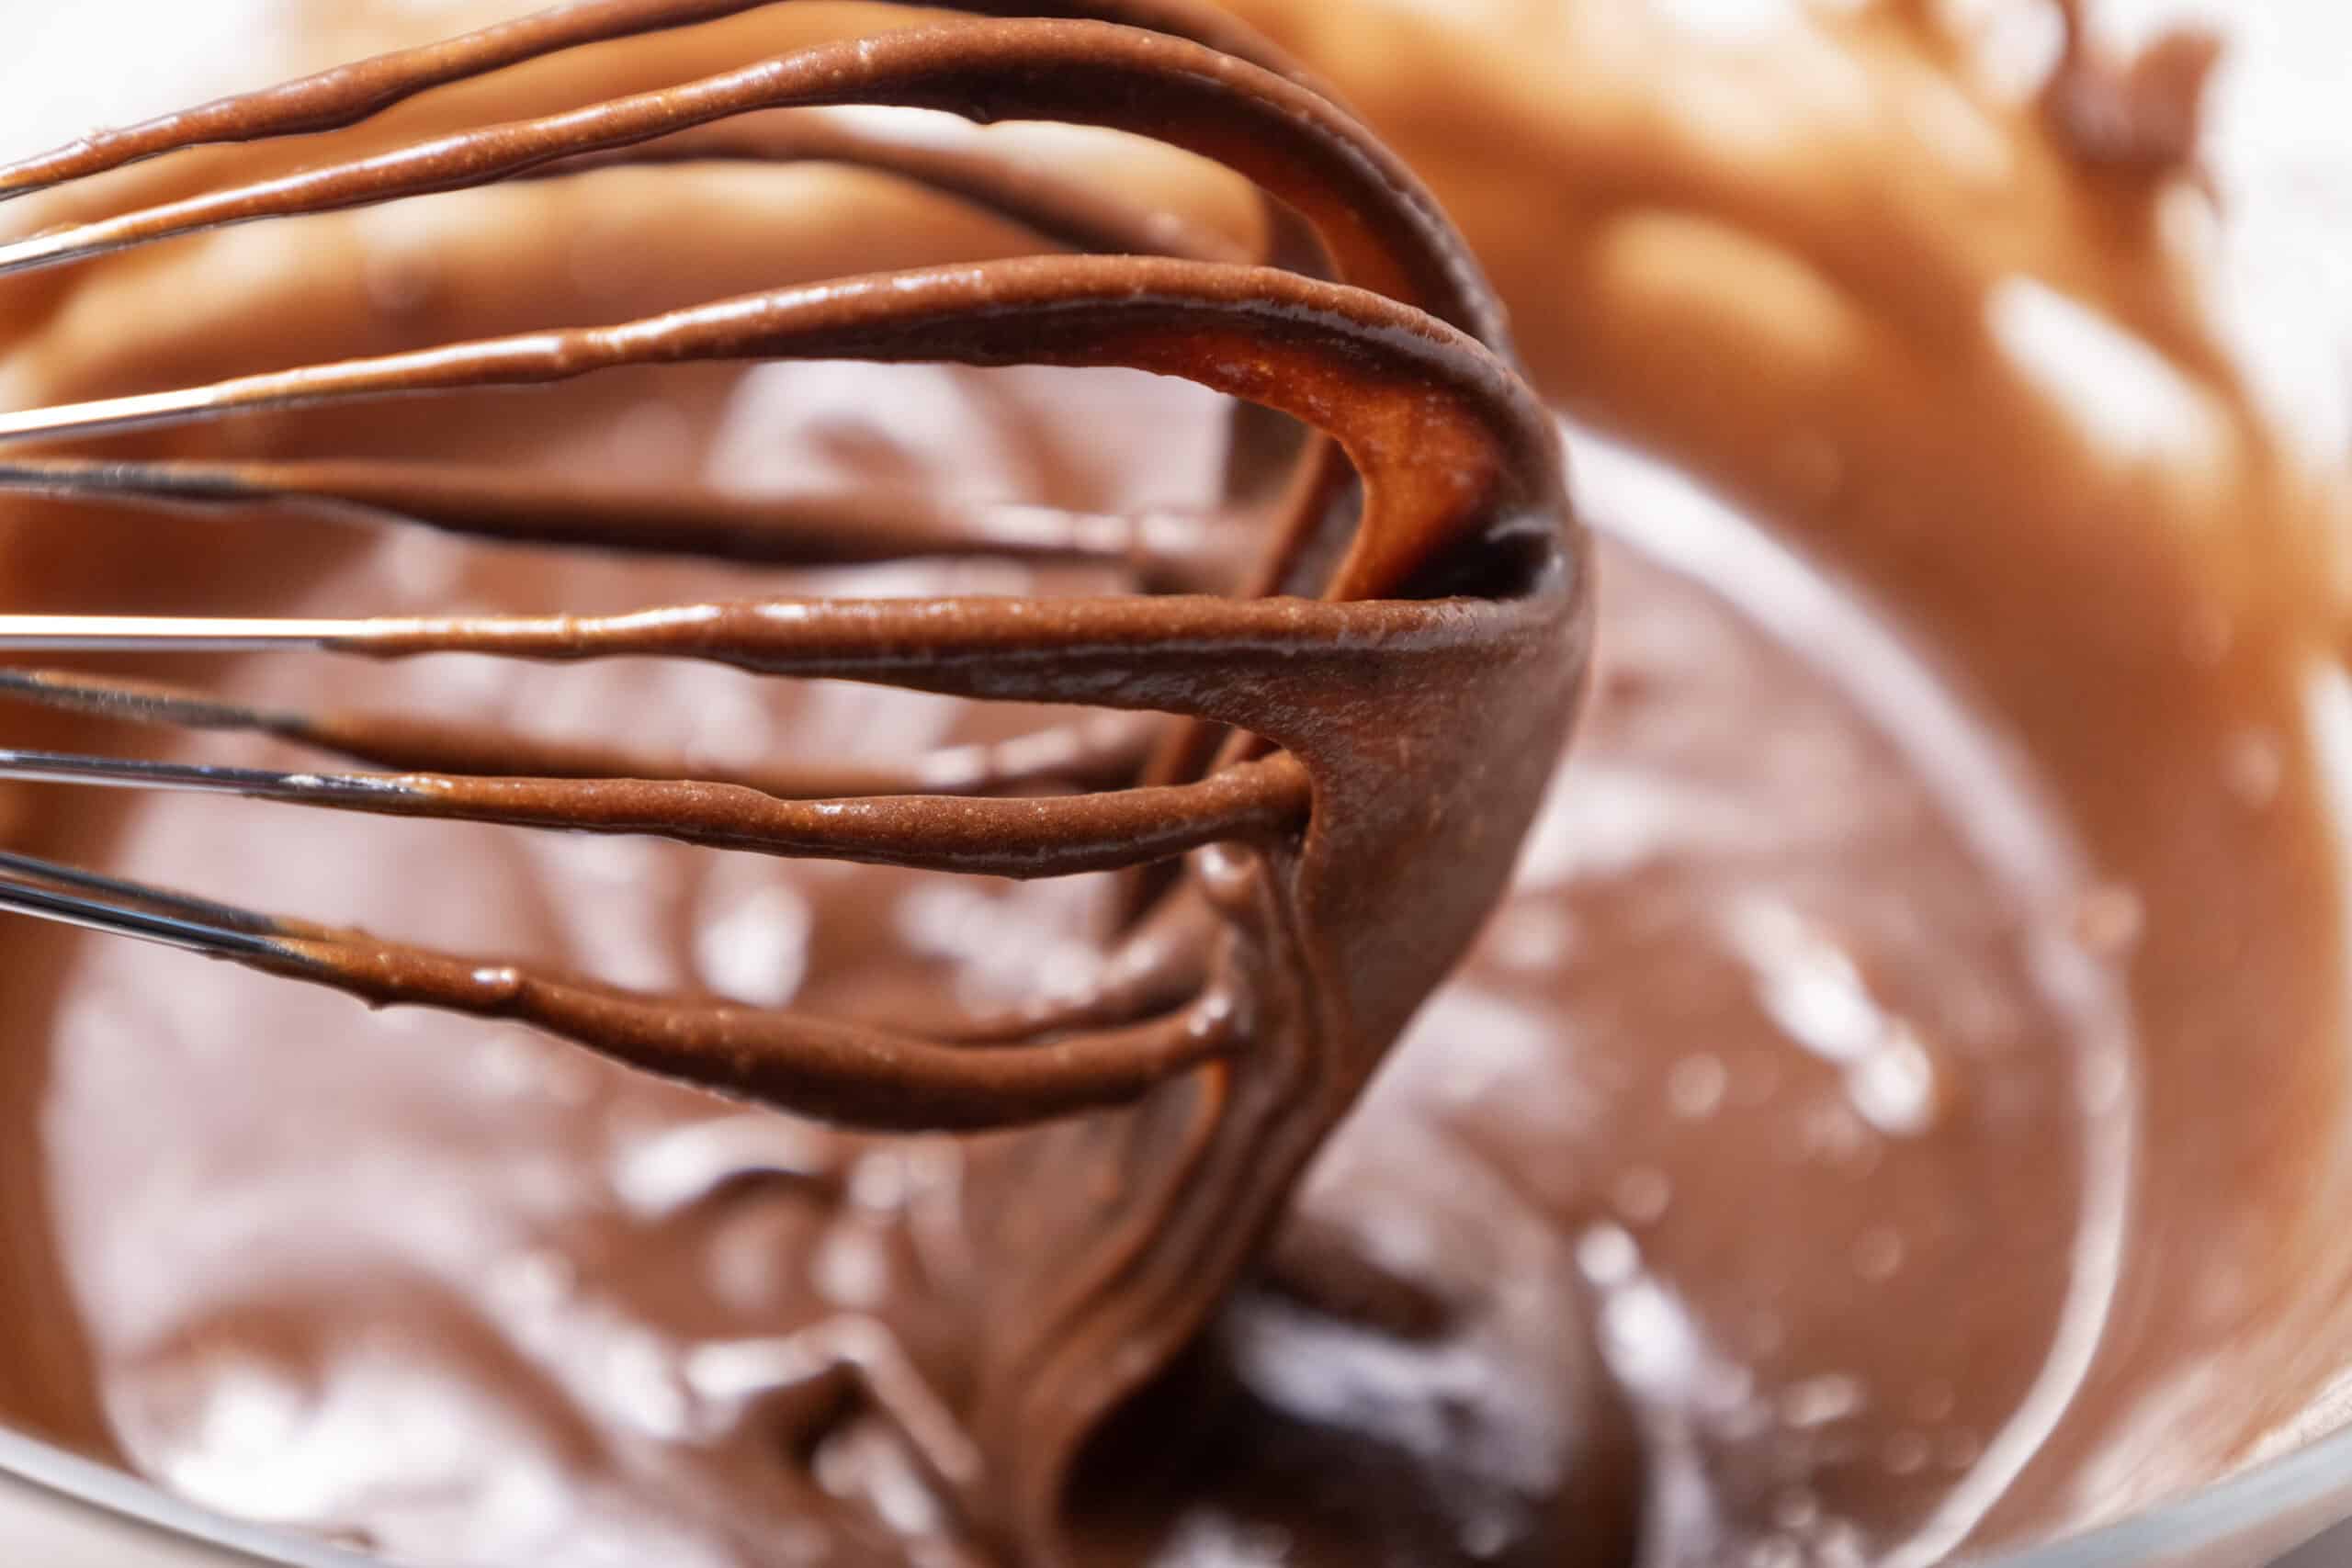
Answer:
(1421, 545)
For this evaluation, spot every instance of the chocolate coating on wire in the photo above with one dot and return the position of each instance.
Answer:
(1346, 841)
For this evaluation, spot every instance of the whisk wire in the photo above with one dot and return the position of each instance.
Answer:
(1059, 836)
(64, 896)
(347, 94)
(784, 528)
(1401, 363)
(1101, 752)
(853, 1073)
(1380, 224)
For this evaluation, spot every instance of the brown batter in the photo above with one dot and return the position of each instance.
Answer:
(1803, 1022)
(1534, 1142)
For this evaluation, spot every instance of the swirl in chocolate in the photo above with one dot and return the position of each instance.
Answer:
(1839, 1144)
(1421, 557)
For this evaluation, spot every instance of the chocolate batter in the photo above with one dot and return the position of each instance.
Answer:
(1534, 1158)
(1806, 1018)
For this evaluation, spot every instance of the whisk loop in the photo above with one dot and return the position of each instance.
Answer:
(1251, 703)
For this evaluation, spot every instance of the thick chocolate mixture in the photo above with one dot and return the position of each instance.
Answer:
(1764, 1182)
(1749, 922)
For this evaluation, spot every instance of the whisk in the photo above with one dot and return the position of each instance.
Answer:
(1359, 734)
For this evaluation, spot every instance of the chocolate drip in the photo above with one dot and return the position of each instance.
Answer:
(1425, 555)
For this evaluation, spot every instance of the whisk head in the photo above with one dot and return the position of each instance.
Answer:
(1330, 708)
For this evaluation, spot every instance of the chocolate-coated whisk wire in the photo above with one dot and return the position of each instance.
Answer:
(348, 94)
(1099, 752)
(1384, 228)
(1437, 427)
(1163, 549)
(1421, 547)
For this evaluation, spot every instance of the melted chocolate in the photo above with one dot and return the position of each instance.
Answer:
(1213, 1084)
(1675, 1215)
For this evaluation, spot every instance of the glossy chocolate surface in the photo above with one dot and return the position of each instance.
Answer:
(1788, 1166)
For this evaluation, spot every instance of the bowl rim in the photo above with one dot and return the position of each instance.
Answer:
(2272, 1491)
(63, 1482)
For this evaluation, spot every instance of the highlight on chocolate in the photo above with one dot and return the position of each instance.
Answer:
(1409, 548)
(1174, 784)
